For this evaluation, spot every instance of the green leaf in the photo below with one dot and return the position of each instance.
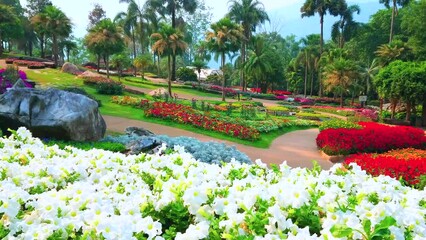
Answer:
(340, 231)
(385, 223)
(367, 227)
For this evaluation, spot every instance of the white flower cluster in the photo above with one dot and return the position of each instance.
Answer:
(47, 192)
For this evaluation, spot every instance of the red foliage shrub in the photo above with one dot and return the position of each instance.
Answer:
(409, 164)
(373, 137)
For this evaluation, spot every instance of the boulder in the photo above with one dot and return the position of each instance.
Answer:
(143, 144)
(52, 113)
(70, 68)
(138, 131)
(158, 92)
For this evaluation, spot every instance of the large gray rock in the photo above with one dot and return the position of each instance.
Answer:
(52, 113)
(70, 68)
(143, 144)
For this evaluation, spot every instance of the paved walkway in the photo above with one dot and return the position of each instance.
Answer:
(298, 148)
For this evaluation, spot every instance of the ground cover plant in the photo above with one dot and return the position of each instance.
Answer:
(51, 193)
(408, 164)
(338, 123)
(9, 76)
(372, 137)
(110, 146)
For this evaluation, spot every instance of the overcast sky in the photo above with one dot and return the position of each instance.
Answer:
(284, 14)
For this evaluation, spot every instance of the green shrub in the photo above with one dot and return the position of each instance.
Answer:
(278, 108)
(110, 146)
(186, 74)
(337, 123)
(83, 92)
(109, 88)
(309, 115)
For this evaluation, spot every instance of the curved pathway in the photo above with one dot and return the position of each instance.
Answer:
(298, 148)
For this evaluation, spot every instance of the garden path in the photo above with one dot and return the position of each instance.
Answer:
(298, 148)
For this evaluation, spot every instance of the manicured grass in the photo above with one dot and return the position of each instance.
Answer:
(51, 77)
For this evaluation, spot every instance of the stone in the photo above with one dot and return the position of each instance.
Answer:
(143, 144)
(138, 131)
(70, 68)
(52, 113)
(158, 92)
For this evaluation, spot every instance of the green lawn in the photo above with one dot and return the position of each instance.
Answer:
(55, 78)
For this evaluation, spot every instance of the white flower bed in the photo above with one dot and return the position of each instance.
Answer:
(48, 192)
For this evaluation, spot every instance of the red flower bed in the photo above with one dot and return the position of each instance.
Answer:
(409, 164)
(29, 64)
(219, 89)
(280, 92)
(184, 114)
(373, 137)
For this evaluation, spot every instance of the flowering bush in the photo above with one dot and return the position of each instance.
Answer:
(409, 164)
(93, 80)
(126, 100)
(275, 124)
(9, 76)
(373, 137)
(336, 110)
(360, 114)
(304, 101)
(51, 193)
(337, 123)
(280, 92)
(185, 114)
(29, 64)
(327, 100)
(228, 91)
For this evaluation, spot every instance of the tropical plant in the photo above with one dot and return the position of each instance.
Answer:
(387, 53)
(248, 13)
(8, 19)
(413, 23)
(105, 39)
(68, 45)
(321, 7)
(259, 63)
(339, 76)
(395, 4)
(142, 62)
(198, 64)
(171, 8)
(224, 37)
(345, 27)
(168, 41)
(119, 62)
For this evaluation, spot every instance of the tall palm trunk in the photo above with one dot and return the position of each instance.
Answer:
(312, 82)
(55, 50)
(223, 77)
(170, 76)
(174, 55)
(42, 45)
(99, 62)
(306, 78)
(134, 47)
(408, 114)
(321, 50)
(424, 110)
(106, 59)
(394, 12)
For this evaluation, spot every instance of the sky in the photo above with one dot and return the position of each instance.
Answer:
(284, 14)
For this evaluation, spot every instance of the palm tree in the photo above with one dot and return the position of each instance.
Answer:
(321, 7)
(369, 73)
(171, 8)
(141, 62)
(198, 64)
(223, 39)
(395, 4)
(105, 39)
(339, 75)
(259, 60)
(248, 13)
(343, 29)
(68, 45)
(386, 53)
(57, 25)
(168, 41)
(7, 19)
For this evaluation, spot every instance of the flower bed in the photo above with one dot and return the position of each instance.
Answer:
(29, 64)
(338, 123)
(360, 114)
(373, 137)
(51, 193)
(184, 114)
(409, 164)
(275, 124)
(93, 80)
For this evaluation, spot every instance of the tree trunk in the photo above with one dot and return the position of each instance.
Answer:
(106, 59)
(312, 83)
(243, 59)
(134, 48)
(1, 45)
(392, 21)
(424, 110)
(169, 77)
(42, 46)
(174, 55)
(99, 63)
(408, 114)
(393, 108)
(341, 100)
(30, 48)
(306, 77)
(321, 50)
(223, 77)
(55, 50)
